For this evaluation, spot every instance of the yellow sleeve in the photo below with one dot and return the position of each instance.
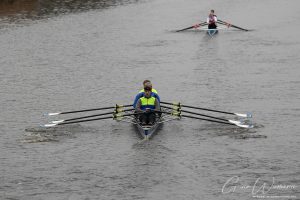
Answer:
(154, 90)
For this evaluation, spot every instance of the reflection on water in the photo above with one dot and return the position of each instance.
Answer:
(14, 10)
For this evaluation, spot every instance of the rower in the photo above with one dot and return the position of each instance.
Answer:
(146, 105)
(146, 83)
(212, 20)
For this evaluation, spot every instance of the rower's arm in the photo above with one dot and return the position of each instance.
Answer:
(138, 106)
(157, 105)
(156, 96)
(137, 97)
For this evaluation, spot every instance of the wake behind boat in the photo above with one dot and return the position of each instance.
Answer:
(168, 112)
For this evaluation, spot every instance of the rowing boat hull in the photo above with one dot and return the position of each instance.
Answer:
(212, 32)
(147, 131)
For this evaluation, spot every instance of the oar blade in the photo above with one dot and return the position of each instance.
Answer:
(48, 125)
(234, 122)
(57, 121)
(52, 114)
(246, 115)
(245, 125)
(241, 124)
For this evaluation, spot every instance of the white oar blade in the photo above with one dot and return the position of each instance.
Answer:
(234, 122)
(48, 125)
(52, 114)
(240, 124)
(247, 115)
(58, 121)
(245, 125)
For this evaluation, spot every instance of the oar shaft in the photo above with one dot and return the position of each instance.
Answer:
(87, 110)
(95, 119)
(199, 108)
(225, 23)
(97, 115)
(204, 115)
(86, 120)
(230, 122)
(194, 26)
(208, 109)
(196, 113)
(210, 120)
(193, 117)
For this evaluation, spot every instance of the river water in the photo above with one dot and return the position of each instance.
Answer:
(69, 55)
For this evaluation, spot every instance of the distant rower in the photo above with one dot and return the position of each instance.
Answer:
(212, 20)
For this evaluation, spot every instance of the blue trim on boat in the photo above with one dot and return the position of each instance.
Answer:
(212, 32)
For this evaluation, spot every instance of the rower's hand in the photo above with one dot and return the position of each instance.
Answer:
(148, 110)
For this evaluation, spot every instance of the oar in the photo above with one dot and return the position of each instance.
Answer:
(218, 118)
(194, 26)
(224, 23)
(230, 122)
(231, 25)
(87, 120)
(87, 110)
(89, 116)
(73, 122)
(248, 115)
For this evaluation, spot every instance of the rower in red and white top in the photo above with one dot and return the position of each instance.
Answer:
(212, 20)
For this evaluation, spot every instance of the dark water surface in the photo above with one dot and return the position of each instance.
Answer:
(69, 55)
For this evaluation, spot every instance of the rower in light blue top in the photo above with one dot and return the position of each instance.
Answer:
(146, 83)
(146, 107)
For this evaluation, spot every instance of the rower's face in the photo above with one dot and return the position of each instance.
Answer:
(147, 93)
